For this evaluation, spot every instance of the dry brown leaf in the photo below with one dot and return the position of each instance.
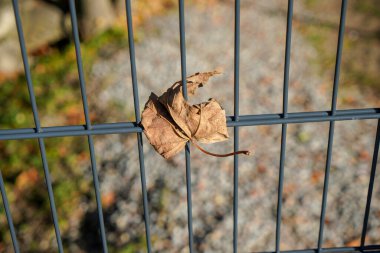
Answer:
(160, 129)
(169, 121)
(186, 116)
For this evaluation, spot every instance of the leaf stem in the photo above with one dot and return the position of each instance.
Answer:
(241, 152)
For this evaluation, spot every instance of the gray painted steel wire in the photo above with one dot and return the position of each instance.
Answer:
(137, 115)
(236, 128)
(234, 121)
(41, 143)
(8, 215)
(332, 123)
(182, 36)
(284, 126)
(88, 125)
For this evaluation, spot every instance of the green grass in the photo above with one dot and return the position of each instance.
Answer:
(368, 7)
(359, 66)
(138, 245)
(56, 84)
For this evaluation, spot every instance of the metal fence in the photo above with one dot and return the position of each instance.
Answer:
(234, 121)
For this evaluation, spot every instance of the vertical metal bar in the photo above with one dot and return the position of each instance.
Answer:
(97, 194)
(50, 192)
(138, 119)
(8, 215)
(37, 123)
(284, 126)
(280, 186)
(28, 76)
(287, 58)
(236, 129)
(187, 147)
(74, 23)
(325, 185)
(78, 53)
(82, 83)
(332, 123)
(370, 186)
(339, 55)
(182, 45)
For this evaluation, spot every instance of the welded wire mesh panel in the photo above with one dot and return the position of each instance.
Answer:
(235, 121)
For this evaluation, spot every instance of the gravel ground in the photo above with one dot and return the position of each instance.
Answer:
(209, 44)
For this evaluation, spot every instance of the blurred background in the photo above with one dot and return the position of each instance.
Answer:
(209, 41)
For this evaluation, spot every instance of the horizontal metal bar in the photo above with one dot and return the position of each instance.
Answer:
(308, 114)
(65, 133)
(56, 131)
(70, 128)
(244, 120)
(304, 117)
(370, 248)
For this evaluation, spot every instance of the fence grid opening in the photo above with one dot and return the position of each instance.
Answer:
(235, 121)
